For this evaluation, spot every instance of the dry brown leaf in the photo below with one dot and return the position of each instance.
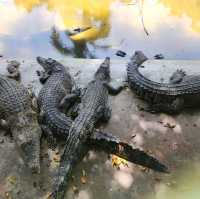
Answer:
(12, 180)
(117, 161)
(8, 195)
(75, 189)
(83, 179)
(56, 158)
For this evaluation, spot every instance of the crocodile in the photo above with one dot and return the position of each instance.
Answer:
(182, 90)
(93, 108)
(55, 94)
(16, 110)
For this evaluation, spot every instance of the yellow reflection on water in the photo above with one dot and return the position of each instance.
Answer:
(96, 13)
(190, 8)
(79, 13)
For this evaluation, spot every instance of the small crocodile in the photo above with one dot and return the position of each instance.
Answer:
(16, 110)
(182, 90)
(93, 107)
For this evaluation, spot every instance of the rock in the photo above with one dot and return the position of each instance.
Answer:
(13, 70)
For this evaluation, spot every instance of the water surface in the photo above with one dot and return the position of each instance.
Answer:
(173, 28)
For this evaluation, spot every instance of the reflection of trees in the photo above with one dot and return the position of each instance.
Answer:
(77, 14)
(189, 8)
(79, 49)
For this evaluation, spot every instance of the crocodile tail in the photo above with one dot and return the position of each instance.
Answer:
(113, 145)
(57, 122)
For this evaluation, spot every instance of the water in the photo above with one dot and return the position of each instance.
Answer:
(173, 28)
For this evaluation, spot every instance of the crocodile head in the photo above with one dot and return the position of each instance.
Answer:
(103, 72)
(27, 133)
(50, 65)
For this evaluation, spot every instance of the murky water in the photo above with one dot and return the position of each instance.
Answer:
(173, 27)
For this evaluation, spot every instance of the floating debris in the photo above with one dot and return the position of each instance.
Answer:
(159, 56)
(120, 53)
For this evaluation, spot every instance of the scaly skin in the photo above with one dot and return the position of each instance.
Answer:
(182, 91)
(58, 84)
(49, 101)
(16, 109)
(94, 107)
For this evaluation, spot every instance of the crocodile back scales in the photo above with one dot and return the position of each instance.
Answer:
(14, 98)
(95, 97)
(54, 90)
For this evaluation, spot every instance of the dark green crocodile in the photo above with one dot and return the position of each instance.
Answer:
(182, 90)
(93, 107)
(16, 110)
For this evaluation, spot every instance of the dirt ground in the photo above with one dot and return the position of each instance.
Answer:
(174, 140)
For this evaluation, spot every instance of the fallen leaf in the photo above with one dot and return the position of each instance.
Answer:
(12, 180)
(75, 189)
(117, 161)
(8, 195)
(171, 126)
(83, 179)
(56, 158)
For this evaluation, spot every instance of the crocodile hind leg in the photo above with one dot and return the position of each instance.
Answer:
(43, 76)
(68, 100)
(114, 90)
(106, 114)
(51, 140)
(172, 108)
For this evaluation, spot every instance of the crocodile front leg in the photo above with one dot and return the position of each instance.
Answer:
(68, 100)
(43, 76)
(51, 140)
(114, 90)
